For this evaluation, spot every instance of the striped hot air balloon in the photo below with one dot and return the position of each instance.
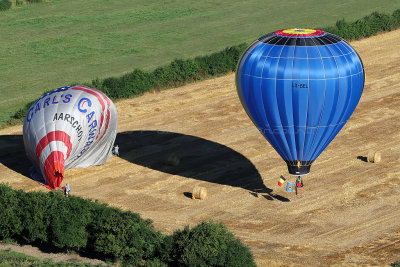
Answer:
(299, 87)
(70, 127)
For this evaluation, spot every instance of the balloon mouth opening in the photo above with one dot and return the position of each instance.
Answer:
(55, 175)
(299, 168)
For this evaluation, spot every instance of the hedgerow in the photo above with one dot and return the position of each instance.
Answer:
(181, 71)
(83, 225)
(366, 26)
(175, 74)
(10, 223)
(207, 244)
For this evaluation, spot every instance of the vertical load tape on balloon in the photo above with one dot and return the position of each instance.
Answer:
(299, 87)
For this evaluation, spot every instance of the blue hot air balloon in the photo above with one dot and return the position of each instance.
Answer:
(299, 87)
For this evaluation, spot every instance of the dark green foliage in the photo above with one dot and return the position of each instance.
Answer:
(130, 84)
(162, 77)
(396, 17)
(35, 216)
(221, 62)
(5, 5)
(209, 244)
(155, 263)
(69, 218)
(137, 82)
(78, 224)
(367, 26)
(396, 264)
(122, 235)
(180, 71)
(21, 113)
(10, 223)
(114, 88)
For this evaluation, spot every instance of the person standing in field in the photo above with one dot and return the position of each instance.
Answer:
(67, 189)
(116, 151)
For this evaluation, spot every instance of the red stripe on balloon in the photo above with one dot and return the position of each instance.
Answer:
(97, 94)
(108, 108)
(53, 136)
(54, 169)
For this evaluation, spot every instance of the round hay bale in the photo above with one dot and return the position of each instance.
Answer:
(377, 157)
(374, 157)
(172, 160)
(199, 192)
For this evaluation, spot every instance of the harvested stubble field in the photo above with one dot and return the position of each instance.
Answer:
(348, 215)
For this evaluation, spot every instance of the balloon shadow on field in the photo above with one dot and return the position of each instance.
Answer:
(193, 157)
(12, 154)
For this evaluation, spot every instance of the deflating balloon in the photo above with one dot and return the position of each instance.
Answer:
(299, 87)
(70, 127)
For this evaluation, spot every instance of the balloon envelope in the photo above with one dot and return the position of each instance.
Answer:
(70, 127)
(299, 87)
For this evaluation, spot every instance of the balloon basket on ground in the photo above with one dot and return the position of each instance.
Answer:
(297, 187)
(299, 190)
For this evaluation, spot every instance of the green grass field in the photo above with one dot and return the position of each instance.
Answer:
(62, 42)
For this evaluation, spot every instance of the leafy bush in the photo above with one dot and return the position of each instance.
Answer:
(35, 216)
(207, 244)
(122, 235)
(69, 218)
(10, 223)
(396, 264)
(83, 225)
(366, 26)
(396, 16)
(5, 5)
(137, 82)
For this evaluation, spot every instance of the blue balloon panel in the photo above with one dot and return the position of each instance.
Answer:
(299, 87)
